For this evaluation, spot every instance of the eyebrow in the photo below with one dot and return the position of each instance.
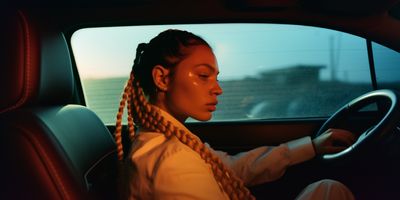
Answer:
(208, 66)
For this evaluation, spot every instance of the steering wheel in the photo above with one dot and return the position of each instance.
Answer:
(385, 125)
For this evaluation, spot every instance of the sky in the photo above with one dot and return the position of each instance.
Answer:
(242, 50)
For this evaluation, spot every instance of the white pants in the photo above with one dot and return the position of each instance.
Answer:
(326, 189)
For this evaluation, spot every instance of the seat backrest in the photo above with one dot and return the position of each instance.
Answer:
(50, 148)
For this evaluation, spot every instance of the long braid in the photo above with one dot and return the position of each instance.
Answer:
(131, 125)
(118, 126)
(126, 98)
(146, 115)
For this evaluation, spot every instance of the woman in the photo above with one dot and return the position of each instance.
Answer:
(174, 77)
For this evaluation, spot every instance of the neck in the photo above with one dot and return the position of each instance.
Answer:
(163, 105)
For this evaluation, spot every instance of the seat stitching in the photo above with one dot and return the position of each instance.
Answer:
(48, 162)
(26, 63)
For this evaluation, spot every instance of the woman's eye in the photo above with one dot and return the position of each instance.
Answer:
(204, 75)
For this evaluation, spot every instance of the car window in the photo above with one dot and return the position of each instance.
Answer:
(267, 71)
(386, 62)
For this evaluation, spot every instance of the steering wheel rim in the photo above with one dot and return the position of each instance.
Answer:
(385, 125)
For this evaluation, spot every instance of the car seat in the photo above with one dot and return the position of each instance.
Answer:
(51, 147)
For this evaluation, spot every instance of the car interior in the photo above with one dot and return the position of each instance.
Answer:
(53, 146)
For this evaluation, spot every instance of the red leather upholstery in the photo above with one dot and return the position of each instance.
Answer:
(49, 149)
(19, 83)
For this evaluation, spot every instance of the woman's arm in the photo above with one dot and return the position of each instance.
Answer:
(268, 163)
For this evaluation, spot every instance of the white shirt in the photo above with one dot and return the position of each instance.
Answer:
(161, 168)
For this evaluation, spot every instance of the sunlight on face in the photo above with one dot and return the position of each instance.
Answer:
(194, 88)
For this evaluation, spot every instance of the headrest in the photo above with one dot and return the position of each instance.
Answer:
(35, 63)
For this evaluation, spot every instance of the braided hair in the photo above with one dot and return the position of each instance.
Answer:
(167, 49)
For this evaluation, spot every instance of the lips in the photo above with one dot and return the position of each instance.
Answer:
(212, 106)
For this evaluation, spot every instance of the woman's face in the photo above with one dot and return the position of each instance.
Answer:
(193, 88)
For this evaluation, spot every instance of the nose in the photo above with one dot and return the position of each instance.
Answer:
(217, 90)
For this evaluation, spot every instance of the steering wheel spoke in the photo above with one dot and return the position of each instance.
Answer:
(386, 124)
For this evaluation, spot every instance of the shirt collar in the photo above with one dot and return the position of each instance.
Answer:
(174, 121)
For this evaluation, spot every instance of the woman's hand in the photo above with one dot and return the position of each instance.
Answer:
(333, 141)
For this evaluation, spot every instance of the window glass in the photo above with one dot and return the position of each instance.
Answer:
(387, 69)
(267, 71)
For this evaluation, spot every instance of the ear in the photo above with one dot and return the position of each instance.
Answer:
(161, 77)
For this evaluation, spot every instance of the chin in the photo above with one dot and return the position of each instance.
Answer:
(202, 117)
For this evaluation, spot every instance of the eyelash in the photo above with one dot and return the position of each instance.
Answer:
(204, 75)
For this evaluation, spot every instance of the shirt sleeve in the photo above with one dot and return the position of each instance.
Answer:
(268, 163)
(184, 175)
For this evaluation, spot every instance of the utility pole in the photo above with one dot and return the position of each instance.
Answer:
(332, 57)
